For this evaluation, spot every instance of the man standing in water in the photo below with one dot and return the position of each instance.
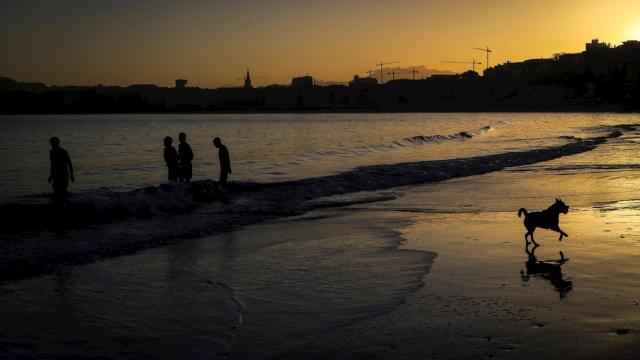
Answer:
(225, 163)
(171, 158)
(185, 155)
(61, 169)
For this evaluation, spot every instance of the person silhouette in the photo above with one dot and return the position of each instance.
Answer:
(185, 156)
(225, 163)
(61, 169)
(171, 158)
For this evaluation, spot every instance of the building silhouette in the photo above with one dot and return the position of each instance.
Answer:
(247, 81)
(603, 77)
(596, 45)
(363, 81)
(181, 83)
(302, 82)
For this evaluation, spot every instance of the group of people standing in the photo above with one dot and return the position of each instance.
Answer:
(178, 163)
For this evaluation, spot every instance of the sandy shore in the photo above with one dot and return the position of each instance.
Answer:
(478, 302)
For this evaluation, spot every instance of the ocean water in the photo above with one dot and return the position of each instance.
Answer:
(124, 152)
(269, 288)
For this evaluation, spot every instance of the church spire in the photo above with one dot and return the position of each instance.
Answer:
(247, 81)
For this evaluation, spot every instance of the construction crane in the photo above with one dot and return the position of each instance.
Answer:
(414, 72)
(370, 71)
(382, 63)
(487, 50)
(473, 63)
(394, 72)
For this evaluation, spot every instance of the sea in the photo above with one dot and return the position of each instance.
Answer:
(125, 152)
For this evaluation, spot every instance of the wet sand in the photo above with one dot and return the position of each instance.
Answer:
(476, 304)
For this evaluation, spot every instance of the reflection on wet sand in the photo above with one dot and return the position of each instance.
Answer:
(547, 269)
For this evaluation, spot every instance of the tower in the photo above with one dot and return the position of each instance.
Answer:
(247, 81)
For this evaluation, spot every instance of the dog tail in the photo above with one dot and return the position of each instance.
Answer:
(522, 210)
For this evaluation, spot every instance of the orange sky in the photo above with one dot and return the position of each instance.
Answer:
(211, 43)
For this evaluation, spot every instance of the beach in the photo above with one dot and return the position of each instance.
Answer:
(478, 301)
(431, 265)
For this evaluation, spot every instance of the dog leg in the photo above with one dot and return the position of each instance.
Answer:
(562, 233)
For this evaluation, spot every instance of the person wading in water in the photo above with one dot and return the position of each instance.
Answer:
(171, 158)
(225, 163)
(185, 156)
(61, 169)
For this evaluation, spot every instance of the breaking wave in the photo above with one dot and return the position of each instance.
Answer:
(417, 140)
(421, 139)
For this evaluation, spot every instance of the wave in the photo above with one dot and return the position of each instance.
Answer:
(610, 128)
(397, 144)
(172, 213)
(582, 168)
(463, 135)
(104, 205)
(632, 204)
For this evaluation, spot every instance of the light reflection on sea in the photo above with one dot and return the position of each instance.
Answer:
(124, 152)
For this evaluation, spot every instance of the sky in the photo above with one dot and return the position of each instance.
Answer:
(212, 43)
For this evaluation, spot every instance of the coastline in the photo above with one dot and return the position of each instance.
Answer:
(35, 253)
(356, 276)
(475, 307)
(480, 298)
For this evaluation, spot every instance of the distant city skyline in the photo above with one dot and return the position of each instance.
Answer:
(213, 43)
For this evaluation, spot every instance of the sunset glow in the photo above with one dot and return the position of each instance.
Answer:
(212, 43)
(319, 179)
(634, 31)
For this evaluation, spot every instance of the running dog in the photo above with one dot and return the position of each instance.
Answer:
(546, 219)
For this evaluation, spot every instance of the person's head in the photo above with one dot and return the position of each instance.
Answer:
(55, 142)
(182, 137)
(217, 142)
(167, 141)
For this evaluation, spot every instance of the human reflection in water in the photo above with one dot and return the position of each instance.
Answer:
(171, 158)
(61, 169)
(547, 269)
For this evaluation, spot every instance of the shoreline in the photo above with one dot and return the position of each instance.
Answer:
(473, 306)
(32, 253)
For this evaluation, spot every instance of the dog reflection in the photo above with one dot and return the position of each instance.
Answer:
(547, 269)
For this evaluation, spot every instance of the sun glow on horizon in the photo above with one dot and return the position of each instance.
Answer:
(634, 31)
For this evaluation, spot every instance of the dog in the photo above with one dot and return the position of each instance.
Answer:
(546, 219)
